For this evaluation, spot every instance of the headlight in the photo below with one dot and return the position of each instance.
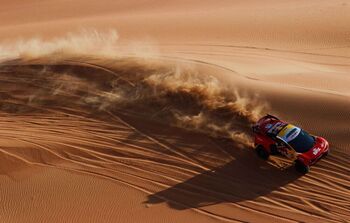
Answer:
(325, 143)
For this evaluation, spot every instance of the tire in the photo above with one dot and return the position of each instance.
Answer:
(261, 152)
(301, 167)
(273, 150)
(326, 153)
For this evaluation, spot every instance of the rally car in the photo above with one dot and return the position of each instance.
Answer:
(274, 136)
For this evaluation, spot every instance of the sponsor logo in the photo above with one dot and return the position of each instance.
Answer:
(276, 127)
(268, 126)
(315, 151)
(289, 132)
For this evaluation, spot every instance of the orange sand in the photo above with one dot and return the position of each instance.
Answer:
(140, 111)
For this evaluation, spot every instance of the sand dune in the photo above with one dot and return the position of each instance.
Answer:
(152, 123)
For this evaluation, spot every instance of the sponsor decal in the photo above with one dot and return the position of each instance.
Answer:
(268, 126)
(316, 150)
(276, 127)
(289, 132)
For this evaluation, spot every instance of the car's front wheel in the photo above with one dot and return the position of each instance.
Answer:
(262, 153)
(301, 167)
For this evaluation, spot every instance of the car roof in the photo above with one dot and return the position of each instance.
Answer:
(275, 127)
(270, 126)
(288, 133)
(280, 129)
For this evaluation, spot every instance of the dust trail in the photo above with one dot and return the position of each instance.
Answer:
(86, 41)
(71, 72)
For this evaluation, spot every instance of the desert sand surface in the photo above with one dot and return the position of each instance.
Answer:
(141, 111)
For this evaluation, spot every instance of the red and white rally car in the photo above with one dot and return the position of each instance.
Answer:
(274, 136)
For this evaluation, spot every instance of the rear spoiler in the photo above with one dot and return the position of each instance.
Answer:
(270, 116)
(256, 128)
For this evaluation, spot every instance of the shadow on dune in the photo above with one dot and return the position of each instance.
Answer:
(235, 172)
(245, 177)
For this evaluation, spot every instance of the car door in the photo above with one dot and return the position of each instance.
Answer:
(284, 149)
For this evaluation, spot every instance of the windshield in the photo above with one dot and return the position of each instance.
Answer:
(303, 142)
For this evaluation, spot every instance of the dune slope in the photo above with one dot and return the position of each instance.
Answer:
(155, 126)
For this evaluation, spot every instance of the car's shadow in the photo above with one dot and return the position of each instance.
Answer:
(234, 172)
(246, 177)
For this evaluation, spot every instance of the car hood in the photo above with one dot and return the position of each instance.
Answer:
(320, 146)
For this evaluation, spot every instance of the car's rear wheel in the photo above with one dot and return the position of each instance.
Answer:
(301, 167)
(262, 153)
(274, 150)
